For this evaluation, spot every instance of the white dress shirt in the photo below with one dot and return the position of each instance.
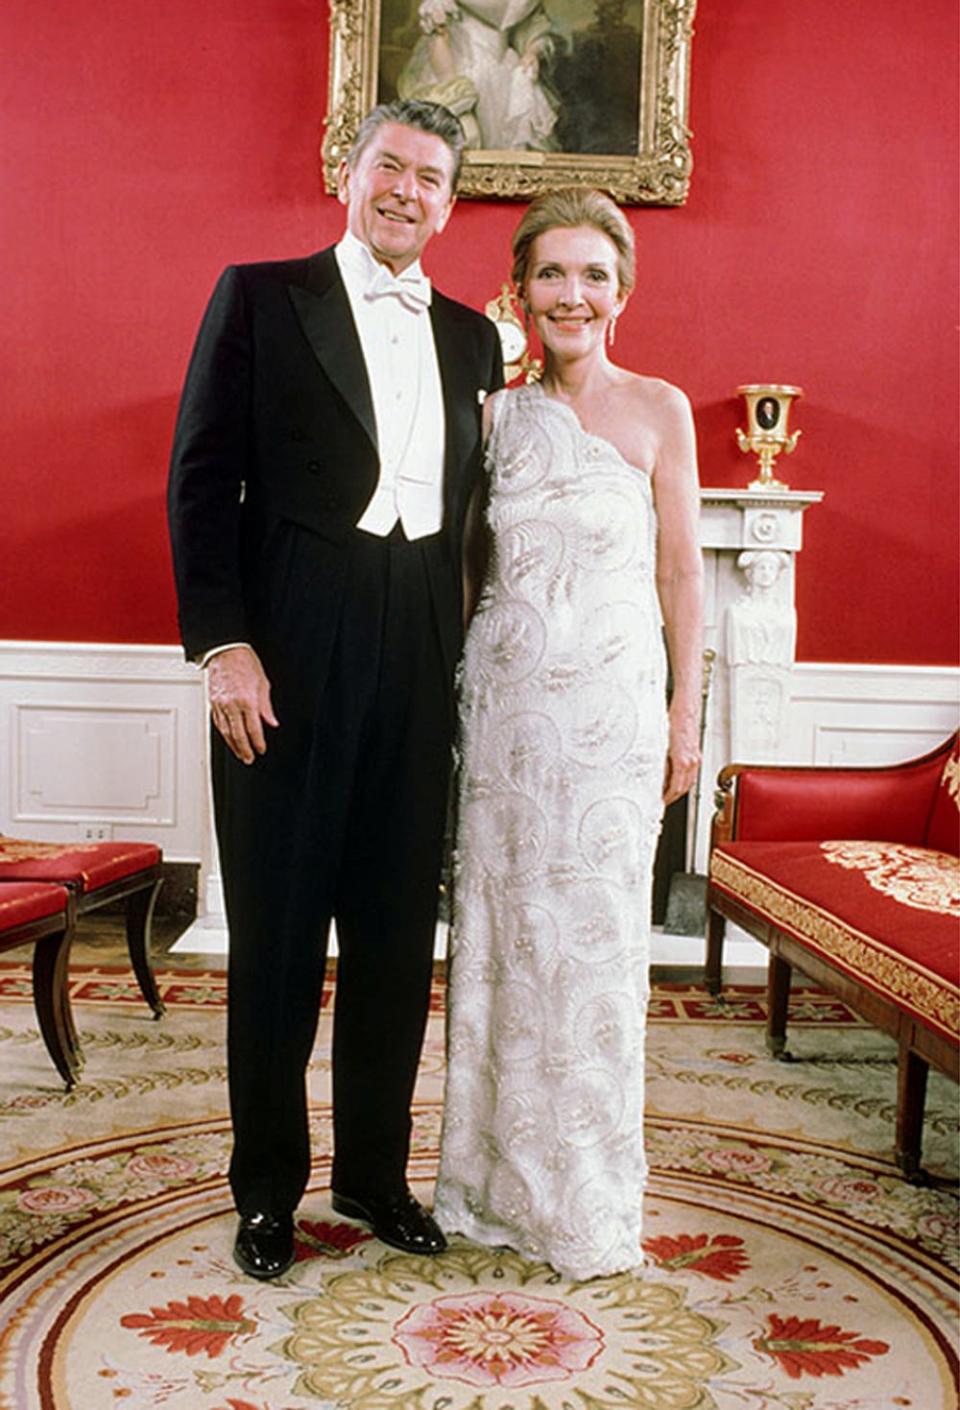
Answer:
(401, 360)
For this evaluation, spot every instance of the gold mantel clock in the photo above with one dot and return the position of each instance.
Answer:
(503, 311)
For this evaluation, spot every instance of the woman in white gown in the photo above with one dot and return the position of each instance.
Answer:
(568, 753)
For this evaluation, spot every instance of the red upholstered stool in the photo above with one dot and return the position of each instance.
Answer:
(95, 873)
(32, 913)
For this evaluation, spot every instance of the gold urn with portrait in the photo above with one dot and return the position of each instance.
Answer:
(768, 414)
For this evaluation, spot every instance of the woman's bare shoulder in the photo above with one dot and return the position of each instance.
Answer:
(655, 392)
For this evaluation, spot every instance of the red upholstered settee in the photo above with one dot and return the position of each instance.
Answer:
(851, 875)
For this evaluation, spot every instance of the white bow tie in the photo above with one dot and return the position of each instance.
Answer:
(410, 287)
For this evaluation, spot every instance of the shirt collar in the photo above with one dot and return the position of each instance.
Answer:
(358, 263)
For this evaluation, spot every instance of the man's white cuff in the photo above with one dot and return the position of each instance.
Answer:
(208, 656)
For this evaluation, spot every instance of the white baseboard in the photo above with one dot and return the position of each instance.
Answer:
(208, 935)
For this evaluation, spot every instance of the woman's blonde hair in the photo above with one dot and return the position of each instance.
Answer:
(569, 207)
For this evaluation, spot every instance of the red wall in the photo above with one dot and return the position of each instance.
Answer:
(146, 145)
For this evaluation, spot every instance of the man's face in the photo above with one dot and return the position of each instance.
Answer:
(399, 193)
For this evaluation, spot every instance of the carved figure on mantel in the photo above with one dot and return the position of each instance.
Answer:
(761, 641)
(767, 698)
(761, 627)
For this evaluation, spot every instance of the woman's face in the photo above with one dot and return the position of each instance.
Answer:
(572, 289)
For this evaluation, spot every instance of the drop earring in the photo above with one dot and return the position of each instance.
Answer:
(612, 329)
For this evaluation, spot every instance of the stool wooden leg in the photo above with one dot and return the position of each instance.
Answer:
(50, 958)
(778, 1000)
(139, 915)
(911, 1098)
(69, 1027)
(713, 966)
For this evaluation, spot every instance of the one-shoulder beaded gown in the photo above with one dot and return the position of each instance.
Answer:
(562, 749)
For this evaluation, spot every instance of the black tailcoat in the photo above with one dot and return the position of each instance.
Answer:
(276, 425)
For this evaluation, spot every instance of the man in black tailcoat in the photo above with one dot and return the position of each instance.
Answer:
(327, 443)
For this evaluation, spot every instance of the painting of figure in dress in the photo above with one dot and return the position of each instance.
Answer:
(522, 75)
(551, 93)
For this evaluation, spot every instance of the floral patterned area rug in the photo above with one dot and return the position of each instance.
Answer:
(787, 1266)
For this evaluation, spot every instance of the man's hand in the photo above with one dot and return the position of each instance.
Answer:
(240, 701)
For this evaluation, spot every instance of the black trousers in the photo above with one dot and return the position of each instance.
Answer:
(342, 817)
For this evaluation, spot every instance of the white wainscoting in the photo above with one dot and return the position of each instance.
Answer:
(102, 740)
(870, 714)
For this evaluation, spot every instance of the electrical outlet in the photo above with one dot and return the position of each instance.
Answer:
(96, 831)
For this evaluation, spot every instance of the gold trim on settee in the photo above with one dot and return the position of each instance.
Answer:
(933, 999)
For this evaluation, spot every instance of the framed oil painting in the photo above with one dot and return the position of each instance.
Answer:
(550, 92)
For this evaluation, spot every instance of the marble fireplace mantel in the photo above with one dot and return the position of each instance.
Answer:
(741, 519)
(750, 541)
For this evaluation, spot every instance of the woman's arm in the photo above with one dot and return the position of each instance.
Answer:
(680, 586)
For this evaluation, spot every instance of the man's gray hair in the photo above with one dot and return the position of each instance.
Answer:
(433, 118)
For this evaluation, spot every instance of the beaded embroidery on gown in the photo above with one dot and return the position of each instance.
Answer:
(563, 743)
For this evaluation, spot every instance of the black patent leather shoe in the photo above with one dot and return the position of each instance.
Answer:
(397, 1220)
(264, 1245)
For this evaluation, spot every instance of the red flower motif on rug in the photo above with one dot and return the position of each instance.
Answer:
(199, 1324)
(319, 1239)
(804, 1348)
(505, 1339)
(723, 1257)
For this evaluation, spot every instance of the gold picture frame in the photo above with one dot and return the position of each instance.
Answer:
(380, 49)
